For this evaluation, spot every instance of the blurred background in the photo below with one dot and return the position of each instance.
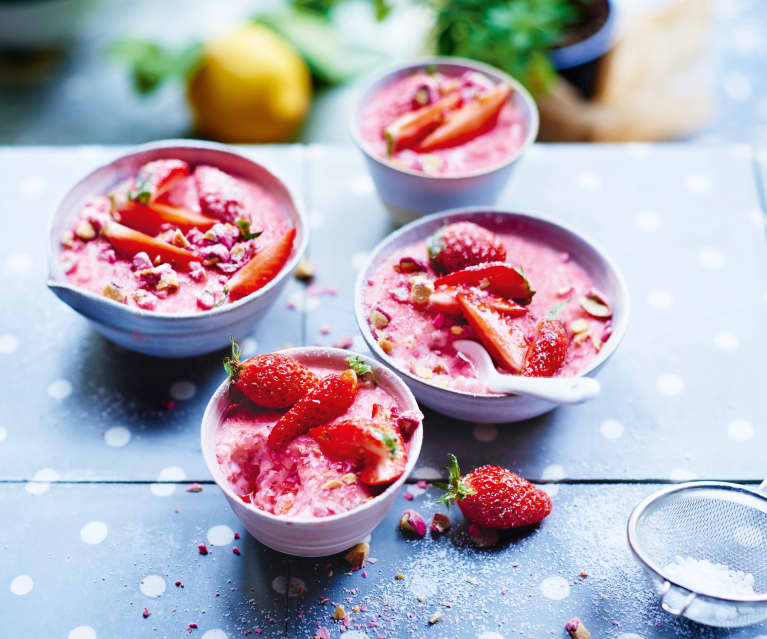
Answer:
(129, 71)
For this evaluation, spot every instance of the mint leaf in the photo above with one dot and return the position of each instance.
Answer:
(391, 444)
(358, 365)
(244, 226)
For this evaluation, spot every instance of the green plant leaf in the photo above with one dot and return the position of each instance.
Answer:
(152, 64)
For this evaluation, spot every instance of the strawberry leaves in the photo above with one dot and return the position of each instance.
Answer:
(455, 489)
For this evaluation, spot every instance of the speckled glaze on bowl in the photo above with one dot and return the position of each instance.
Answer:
(321, 536)
(409, 194)
(173, 334)
(475, 407)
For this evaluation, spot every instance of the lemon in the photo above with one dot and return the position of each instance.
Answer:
(251, 86)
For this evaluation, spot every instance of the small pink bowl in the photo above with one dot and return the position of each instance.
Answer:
(321, 536)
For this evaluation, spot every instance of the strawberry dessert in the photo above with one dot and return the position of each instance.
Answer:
(304, 440)
(178, 239)
(534, 309)
(440, 124)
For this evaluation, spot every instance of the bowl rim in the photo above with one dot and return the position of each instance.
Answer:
(468, 213)
(639, 554)
(416, 440)
(302, 226)
(530, 135)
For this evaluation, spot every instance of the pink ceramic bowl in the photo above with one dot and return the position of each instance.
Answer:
(320, 536)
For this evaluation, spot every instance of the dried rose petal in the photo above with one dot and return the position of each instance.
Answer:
(410, 265)
(440, 523)
(412, 523)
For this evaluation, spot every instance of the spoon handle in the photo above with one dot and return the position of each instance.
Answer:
(559, 390)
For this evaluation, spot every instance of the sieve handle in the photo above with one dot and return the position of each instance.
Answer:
(677, 612)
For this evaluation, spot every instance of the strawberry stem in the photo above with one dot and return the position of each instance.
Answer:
(455, 489)
(359, 366)
(232, 364)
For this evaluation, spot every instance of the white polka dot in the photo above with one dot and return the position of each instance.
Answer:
(94, 532)
(629, 635)
(216, 633)
(555, 588)
(737, 86)
(316, 219)
(639, 149)
(490, 635)
(589, 181)
(359, 260)
(40, 482)
(296, 587)
(749, 536)
(60, 389)
(169, 474)
(249, 346)
(697, 183)
(485, 433)
(711, 259)
(33, 186)
(152, 586)
(550, 489)
(182, 390)
(659, 299)
(670, 384)
(725, 341)
(280, 585)
(19, 262)
(682, 474)
(757, 219)
(554, 472)
(117, 436)
(22, 585)
(8, 344)
(647, 221)
(740, 430)
(427, 473)
(3, 434)
(362, 186)
(220, 535)
(82, 632)
(611, 429)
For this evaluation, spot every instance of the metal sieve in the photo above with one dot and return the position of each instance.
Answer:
(716, 521)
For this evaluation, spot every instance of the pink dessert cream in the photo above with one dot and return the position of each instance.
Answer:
(177, 239)
(447, 125)
(534, 309)
(341, 443)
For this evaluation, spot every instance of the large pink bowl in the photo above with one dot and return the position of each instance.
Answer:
(319, 536)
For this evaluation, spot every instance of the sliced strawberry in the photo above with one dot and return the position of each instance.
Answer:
(462, 244)
(127, 242)
(414, 125)
(505, 343)
(330, 399)
(547, 350)
(155, 178)
(470, 120)
(272, 380)
(262, 268)
(498, 278)
(220, 195)
(493, 497)
(377, 445)
(151, 218)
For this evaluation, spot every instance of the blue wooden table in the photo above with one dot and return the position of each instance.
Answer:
(98, 446)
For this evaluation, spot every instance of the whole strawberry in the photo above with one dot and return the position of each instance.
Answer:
(548, 349)
(462, 244)
(273, 380)
(493, 497)
(321, 405)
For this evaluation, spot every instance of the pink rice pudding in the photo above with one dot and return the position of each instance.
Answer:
(207, 224)
(416, 322)
(464, 148)
(299, 480)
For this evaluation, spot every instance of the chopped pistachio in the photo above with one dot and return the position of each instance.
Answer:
(435, 617)
(349, 478)
(67, 239)
(305, 271)
(339, 613)
(456, 330)
(422, 371)
(357, 555)
(579, 325)
(85, 230)
(114, 292)
(421, 289)
(331, 484)
(386, 346)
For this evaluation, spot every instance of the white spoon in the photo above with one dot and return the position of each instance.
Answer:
(559, 390)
